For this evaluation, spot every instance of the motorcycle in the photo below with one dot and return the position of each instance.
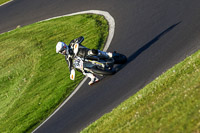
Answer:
(95, 64)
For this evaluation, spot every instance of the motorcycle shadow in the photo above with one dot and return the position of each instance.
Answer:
(145, 47)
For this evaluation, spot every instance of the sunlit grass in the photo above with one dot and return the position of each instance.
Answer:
(4, 1)
(171, 103)
(34, 80)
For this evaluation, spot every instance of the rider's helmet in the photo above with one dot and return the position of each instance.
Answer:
(62, 48)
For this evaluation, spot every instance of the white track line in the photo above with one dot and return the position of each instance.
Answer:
(111, 23)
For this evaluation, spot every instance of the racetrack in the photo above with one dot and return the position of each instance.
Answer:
(154, 35)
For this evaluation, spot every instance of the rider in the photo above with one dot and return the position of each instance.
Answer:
(67, 51)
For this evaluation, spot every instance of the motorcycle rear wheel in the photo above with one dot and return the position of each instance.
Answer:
(119, 58)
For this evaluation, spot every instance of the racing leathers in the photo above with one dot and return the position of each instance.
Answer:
(84, 52)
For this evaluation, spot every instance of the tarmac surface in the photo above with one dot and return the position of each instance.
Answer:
(154, 35)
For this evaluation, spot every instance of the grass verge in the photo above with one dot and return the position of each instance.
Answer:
(3, 1)
(34, 80)
(171, 103)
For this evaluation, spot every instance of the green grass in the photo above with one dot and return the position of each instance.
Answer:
(34, 80)
(170, 104)
(3, 1)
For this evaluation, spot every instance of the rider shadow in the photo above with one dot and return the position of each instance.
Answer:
(145, 47)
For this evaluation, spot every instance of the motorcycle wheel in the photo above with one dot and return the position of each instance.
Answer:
(119, 58)
(103, 72)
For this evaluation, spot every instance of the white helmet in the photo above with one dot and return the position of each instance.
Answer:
(60, 47)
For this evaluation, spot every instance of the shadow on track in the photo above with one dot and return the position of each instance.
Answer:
(145, 47)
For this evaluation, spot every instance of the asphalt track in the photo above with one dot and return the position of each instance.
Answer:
(155, 35)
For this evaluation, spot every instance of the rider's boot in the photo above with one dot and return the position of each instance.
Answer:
(110, 54)
(93, 78)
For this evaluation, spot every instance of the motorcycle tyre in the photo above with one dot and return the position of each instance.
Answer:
(103, 72)
(119, 58)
